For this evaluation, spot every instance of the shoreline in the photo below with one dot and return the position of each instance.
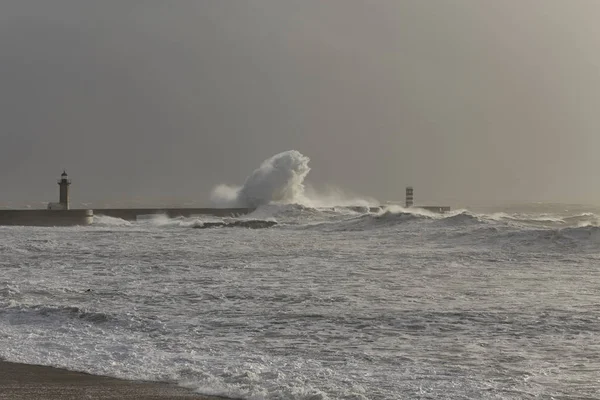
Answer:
(32, 382)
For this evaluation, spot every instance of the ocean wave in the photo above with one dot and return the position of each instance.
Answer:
(373, 221)
(247, 223)
(9, 292)
(62, 312)
(547, 219)
(417, 218)
(461, 218)
(583, 220)
(104, 220)
(582, 233)
(523, 239)
(67, 315)
(164, 221)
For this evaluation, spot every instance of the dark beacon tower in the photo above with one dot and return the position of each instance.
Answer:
(409, 197)
(64, 184)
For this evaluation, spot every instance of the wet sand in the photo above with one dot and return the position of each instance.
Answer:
(34, 382)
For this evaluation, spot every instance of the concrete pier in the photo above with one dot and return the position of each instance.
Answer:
(132, 214)
(46, 217)
(86, 217)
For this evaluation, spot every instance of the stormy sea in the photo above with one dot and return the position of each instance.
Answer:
(307, 299)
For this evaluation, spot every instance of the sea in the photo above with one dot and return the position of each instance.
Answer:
(325, 303)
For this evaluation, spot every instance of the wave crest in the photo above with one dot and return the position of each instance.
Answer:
(70, 312)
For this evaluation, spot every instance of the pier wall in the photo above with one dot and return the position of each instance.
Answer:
(86, 217)
(132, 214)
(46, 217)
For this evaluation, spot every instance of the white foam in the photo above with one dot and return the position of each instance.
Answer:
(103, 220)
(280, 179)
(164, 221)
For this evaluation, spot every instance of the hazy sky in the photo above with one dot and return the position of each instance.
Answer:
(469, 101)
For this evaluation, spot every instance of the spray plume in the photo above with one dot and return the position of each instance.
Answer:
(280, 179)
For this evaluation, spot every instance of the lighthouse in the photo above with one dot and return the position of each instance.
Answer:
(63, 200)
(409, 197)
(64, 184)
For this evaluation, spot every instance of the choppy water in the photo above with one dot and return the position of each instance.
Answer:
(325, 305)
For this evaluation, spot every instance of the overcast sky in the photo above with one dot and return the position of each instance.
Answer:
(471, 102)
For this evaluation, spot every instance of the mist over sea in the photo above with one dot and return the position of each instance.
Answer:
(330, 303)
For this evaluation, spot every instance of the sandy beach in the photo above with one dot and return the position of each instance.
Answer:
(32, 382)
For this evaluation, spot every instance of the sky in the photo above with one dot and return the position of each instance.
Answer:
(155, 103)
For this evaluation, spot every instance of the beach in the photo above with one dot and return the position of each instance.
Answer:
(31, 382)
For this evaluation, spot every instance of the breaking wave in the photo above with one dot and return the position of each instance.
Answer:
(297, 214)
(547, 219)
(521, 233)
(392, 216)
(280, 179)
(462, 218)
(164, 221)
(103, 220)
(532, 240)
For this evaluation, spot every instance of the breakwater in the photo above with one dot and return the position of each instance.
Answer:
(86, 217)
(46, 217)
(132, 214)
